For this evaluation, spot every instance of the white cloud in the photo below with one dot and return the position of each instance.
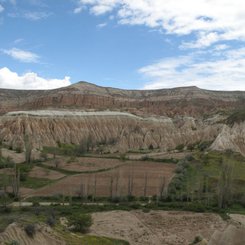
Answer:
(22, 55)
(227, 72)
(1, 8)
(78, 10)
(102, 25)
(29, 80)
(210, 20)
(32, 16)
(36, 15)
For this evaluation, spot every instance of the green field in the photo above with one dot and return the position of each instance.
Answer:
(199, 177)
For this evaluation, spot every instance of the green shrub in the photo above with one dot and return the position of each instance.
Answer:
(236, 117)
(14, 242)
(51, 221)
(197, 239)
(30, 230)
(80, 223)
(180, 147)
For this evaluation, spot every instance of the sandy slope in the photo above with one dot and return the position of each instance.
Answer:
(44, 235)
(156, 227)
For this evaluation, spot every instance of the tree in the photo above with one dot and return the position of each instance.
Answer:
(56, 162)
(30, 230)
(225, 184)
(80, 223)
(162, 186)
(111, 187)
(145, 184)
(28, 148)
(95, 186)
(130, 184)
(1, 145)
(16, 181)
(4, 200)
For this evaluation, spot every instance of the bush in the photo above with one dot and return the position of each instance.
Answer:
(51, 221)
(35, 204)
(30, 230)
(204, 145)
(197, 239)
(14, 242)
(80, 223)
(180, 147)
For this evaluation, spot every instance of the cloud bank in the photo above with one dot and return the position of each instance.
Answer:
(29, 80)
(210, 20)
(225, 72)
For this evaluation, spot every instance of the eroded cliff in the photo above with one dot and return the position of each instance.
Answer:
(117, 131)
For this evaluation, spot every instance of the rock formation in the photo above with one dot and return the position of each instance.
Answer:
(118, 131)
(121, 119)
(188, 101)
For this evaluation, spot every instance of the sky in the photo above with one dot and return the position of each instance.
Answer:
(129, 44)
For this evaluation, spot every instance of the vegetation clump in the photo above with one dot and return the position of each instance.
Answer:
(236, 117)
(80, 223)
(30, 230)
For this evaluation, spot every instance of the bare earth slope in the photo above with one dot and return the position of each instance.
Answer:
(44, 235)
(156, 227)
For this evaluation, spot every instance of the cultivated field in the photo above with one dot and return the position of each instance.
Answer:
(130, 178)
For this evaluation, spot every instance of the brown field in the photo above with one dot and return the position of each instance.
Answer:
(38, 172)
(157, 174)
(81, 164)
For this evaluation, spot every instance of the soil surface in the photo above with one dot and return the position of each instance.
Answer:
(44, 235)
(137, 173)
(38, 172)
(156, 227)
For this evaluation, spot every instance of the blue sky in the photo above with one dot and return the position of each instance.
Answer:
(136, 44)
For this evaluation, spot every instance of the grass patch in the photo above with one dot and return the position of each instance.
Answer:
(76, 238)
(35, 183)
(236, 117)
(197, 178)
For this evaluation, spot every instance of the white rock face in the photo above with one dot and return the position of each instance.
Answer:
(231, 138)
(118, 131)
(65, 113)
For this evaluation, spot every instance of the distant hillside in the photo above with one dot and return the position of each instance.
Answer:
(189, 101)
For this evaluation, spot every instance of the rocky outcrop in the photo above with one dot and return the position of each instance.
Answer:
(232, 138)
(187, 101)
(141, 119)
(118, 131)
